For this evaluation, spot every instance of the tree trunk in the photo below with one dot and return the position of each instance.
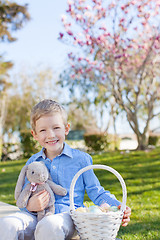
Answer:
(2, 119)
(142, 141)
(142, 138)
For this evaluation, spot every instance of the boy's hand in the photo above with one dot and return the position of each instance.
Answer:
(38, 202)
(126, 216)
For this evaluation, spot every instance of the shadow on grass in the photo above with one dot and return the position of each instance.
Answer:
(143, 191)
(142, 229)
(143, 174)
(12, 163)
(9, 178)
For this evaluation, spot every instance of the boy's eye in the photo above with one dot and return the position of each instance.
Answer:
(57, 128)
(42, 130)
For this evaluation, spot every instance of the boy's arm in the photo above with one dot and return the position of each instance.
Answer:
(97, 193)
(94, 189)
(99, 196)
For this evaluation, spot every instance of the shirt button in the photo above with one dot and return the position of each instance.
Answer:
(54, 167)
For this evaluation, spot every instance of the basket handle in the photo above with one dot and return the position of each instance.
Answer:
(71, 193)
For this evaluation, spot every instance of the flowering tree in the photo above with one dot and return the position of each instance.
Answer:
(119, 47)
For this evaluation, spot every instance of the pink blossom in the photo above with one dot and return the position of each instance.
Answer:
(61, 35)
(86, 30)
(80, 43)
(80, 59)
(70, 55)
(118, 56)
(107, 34)
(69, 9)
(88, 37)
(78, 17)
(94, 62)
(80, 70)
(89, 69)
(144, 23)
(103, 28)
(70, 33)
(122, 20)
(88, 43)
(112, 5)
(92, 50)
(146, 15)
(111, 47)
(72, 76)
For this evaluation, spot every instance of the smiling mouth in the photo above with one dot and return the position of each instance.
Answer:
(52, 142)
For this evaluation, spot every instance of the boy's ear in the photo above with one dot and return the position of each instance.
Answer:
(67, 129)
(33, 134)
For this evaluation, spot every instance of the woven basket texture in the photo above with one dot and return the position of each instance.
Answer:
(97, 226)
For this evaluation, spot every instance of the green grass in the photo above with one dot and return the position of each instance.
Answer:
(9, 172)
(141, 172)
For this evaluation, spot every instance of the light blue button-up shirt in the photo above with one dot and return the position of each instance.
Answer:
(62, 170)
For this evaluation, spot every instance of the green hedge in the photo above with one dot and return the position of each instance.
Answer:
(154, 140)
(101, 142)
(29, 145)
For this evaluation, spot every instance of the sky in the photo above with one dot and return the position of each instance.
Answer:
(37, 42)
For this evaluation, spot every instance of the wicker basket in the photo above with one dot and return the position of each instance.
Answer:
(92, 226)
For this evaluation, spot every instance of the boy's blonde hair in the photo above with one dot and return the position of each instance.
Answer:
(47, 107)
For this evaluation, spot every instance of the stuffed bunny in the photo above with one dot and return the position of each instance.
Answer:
(38, 175)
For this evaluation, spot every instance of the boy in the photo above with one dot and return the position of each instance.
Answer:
(49, 128)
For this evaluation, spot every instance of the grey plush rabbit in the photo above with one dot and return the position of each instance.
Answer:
(38, 175)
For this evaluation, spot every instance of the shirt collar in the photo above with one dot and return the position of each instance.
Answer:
(41, 154)
(67, 150)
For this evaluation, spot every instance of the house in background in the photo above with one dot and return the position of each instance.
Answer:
(75, 135)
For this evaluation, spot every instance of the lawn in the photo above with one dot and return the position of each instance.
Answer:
(141, 172)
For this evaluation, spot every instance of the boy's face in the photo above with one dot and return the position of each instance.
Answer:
(50, 132)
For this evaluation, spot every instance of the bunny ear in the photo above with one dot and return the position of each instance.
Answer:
(20, 182)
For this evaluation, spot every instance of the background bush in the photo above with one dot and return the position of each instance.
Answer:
(154, 140)
(11, 151)
(29, 145)
(101, 142)
(96, 142)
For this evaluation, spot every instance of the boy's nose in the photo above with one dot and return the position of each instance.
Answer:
(51, 133)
